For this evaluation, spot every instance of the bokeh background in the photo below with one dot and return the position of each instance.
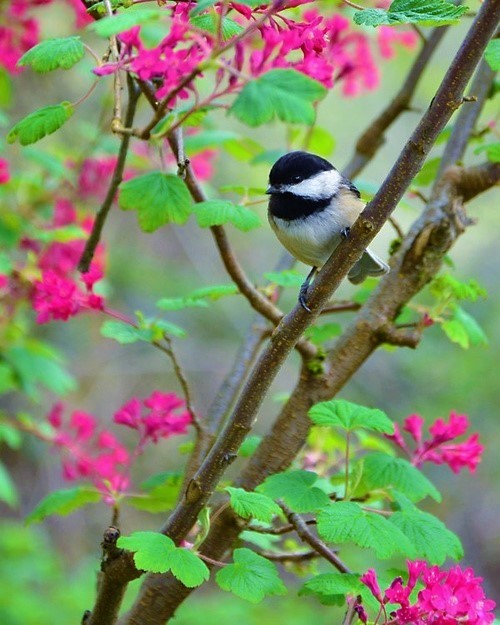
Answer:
(47, 572)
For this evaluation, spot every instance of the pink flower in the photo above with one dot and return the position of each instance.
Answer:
(388, 36)
(369, 579)
(4, 171)
(95, 174)
(439, 449)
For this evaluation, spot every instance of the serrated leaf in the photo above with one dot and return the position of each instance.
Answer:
(63, 502)
(118, 23)
(320, 334)
(432, 540)
(8, 491)
(214, 292)
(179, 303)
(297, 489)
(253, 505)
(53, 54)
(423, 12)
(349, 416)
(40, 123)
(285, 94)
(219, 212)
(210, 23)
(158, 199)
(187, 567)
(346, 522)
(151, 550)
(201, 5)
(492, 54)
(286, 278)
(446, 287)
(384, 471)
(124, 333)
(250, 577)
(334, 584)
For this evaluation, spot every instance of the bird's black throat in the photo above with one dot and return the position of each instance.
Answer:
(288, 206)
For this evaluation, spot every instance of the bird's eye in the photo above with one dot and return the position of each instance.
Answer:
(297, 178)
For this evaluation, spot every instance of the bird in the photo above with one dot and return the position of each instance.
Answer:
(311, 208)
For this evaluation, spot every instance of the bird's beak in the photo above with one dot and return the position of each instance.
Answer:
(272, 189)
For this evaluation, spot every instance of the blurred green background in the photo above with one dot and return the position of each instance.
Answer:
(55, 563)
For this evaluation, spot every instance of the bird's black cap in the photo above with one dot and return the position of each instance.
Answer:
(296, 166)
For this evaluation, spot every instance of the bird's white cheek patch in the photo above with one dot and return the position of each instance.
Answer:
(322, 186)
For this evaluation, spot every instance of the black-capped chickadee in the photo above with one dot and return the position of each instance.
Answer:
(312, 206)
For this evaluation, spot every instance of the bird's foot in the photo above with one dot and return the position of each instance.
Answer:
(303, 296)
(345, 232)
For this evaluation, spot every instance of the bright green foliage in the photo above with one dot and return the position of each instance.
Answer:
(40, 123)
(320, 334)
(249, 446)
(157, 553)
(428, 173)
(7, 380)
(214, 292)
(348, 416)
(158, 199)
(196, 298)
(53, 54)
(382, 471)
(297, 489)
(423, 12)
(492, 54)
(286, 278)
(10, 436)
(36, 364)
(447, 287)
(347, 522)
(317, 140)
(492, 149)
(250, 577)
(160, 492)
(115, 24)
(328, 584)
(124, 333)
(463, 329)
(210, 22)
(63, 502)
(432, 540)
(179, 303)
(8, 492)
(255, 505)
(219, 212)
(285, 94)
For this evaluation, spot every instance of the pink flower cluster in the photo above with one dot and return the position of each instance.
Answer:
(154, 417)
(92, 453)
(327, 49)
(439, 449)
(445, 597)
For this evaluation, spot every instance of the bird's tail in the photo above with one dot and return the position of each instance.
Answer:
(368, 265)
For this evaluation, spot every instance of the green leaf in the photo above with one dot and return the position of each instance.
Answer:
(151, 550)
(320, 334)
(286, 278)
(53, 54)
(474, 332)
(492, 54)
(63, 502)
(384, 471)
(297, 489)
(210, 23)
(179, 303)
(348, 416)
(209, 138)
(10, 436)
(346, 522)
(162, 492)
(249, 446)
(265, 542)
(201, 5)
(492, 149)
(250, 577)
(214, 292)
(219, 212)
(40, 123)
(256, 505)
(334, 584)
(159, 327)
(115, 24)
(158, 198)
(187, 567)
(316, 139)
(7, 379)
(285, 94)
(423, 12)
(8, 491)
(124, 333)
(432, 540)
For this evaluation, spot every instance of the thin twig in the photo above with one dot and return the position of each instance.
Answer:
(100, 219)
(278, 531)
(338, 307)
(311, 539)
(298, 556)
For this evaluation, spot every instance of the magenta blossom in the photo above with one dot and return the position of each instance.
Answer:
(440, 449)
(449, 597)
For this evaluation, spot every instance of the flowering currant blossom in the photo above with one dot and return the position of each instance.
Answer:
(440, 449)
